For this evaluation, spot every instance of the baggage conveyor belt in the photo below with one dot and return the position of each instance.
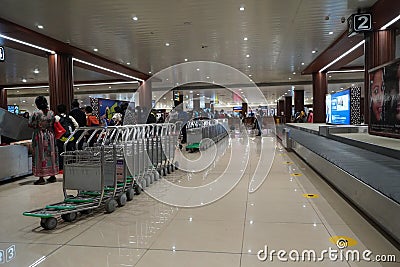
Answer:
(378, 171)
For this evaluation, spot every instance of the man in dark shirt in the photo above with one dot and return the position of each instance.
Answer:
(78, 114)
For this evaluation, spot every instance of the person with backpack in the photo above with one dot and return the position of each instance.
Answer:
(69, 124)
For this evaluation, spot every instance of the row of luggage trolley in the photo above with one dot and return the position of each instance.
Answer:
(201, 134)
(108, 167)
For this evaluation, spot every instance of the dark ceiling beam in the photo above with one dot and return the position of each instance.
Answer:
(382, 12)
(15, 31)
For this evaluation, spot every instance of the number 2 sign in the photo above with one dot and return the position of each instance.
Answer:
(359, 23)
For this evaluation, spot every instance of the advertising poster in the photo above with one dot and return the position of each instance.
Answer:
(384, 100)
(340, 107)
(328, 108)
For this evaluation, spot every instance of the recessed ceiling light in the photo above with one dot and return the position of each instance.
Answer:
(330, 33)
(23, 101)
(198, 69)
(333, 91)
(36, 71)
(245, 39)
(341, 88)
(288, 90)
(302, 63)
(294, 73)
(285, 93)
(191, 92)
(250, 75)
(249, 66)
(128, 63)
(149, 72)
(290, 78)
(109, 87)
(172, 99)
(247, 55)
(208, 77)
(95, 49)
(241, 8)
(135, 18)
(24, 80)
(240, 89)
(166, 79)
(186, 59)
(314, 51)
(330, 76)
(166, 44)
(198, 94)
(17, 91)
(40, 26)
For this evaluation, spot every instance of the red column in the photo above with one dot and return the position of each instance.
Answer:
(288, 109)
(320, 88)
(380, 48)
(61, 81)
(3, 98)
(298, 100)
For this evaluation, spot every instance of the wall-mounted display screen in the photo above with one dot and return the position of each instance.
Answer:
(13, 109)
(340, 107)
(384, 100)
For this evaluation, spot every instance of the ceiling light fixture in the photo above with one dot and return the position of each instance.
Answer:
(198, 69)
(343, 55)
(135, 18)
(186, 59)
(36, 71)
(24, 80)
(344, 71)
(330, 33)
(106, 69)
(245, 39)
(314, 51)
(128, 63)
(249, 66)
(241, 8)
(294, 73)
(40, 26)
(390, 22)
(149, 72)
(247, 55)
(95, 49)
(27, 44)
(290, 78)
(166, 44)
(302, 63)
(250, 75)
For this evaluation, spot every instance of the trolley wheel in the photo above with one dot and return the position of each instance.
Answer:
(156, 175)
(110, 205)
(121, 200)
(69, 217)
(87, 212)
(48, 223)
(176, 165)
(129, 194)
(148, 179)
(137, 189)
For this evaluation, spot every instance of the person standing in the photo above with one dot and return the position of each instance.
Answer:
(78, 114)
(44, 158)
(69, 124)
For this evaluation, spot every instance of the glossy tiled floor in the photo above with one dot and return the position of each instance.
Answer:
(228, 232)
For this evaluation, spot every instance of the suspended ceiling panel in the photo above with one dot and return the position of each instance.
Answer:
(281, 34)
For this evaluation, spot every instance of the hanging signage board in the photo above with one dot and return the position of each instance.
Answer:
(359, 23)
(2, 54)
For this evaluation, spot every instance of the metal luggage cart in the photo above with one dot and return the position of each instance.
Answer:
(84, 172)
(194, 130)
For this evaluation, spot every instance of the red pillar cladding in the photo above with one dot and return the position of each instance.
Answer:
(60, 80)
(3, 98)
(320, 88)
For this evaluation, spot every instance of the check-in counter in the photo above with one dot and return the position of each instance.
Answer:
(14, 162)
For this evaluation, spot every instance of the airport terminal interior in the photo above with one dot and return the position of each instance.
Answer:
(200, 133)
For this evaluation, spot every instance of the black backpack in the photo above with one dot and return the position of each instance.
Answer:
(68, 125)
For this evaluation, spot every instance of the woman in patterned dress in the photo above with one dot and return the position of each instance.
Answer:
(44, 160)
